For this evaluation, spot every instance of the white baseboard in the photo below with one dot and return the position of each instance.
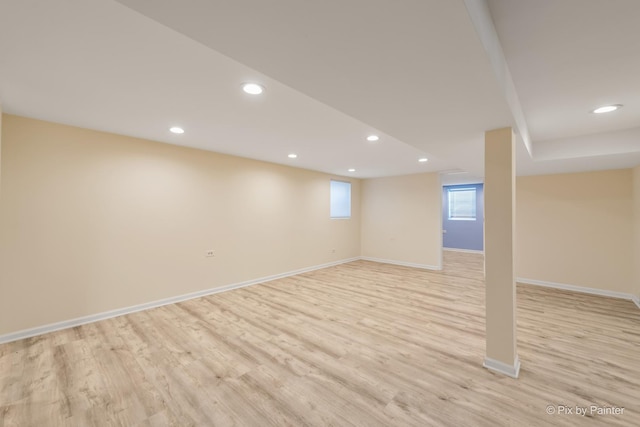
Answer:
(582, 289)
(502, 368)
(402, 263)
(65, 324)
(27, 333)
(467, 251)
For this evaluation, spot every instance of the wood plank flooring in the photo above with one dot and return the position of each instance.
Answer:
(362, 344)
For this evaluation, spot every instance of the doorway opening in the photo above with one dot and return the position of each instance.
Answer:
(463, 217)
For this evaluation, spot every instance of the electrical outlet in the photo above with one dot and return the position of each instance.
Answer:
(209, 253)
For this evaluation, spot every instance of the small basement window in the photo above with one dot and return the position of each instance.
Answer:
(340, 199)
(462, 203)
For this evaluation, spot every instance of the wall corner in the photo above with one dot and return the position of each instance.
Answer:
(636, 232)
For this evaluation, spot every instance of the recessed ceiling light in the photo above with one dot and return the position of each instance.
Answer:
(292, 156)
(373, 138)
(176, 129)
(252, 88)
(607, 109)
(423, 159)
(352, 170)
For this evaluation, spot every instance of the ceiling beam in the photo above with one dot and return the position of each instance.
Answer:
(481, 18)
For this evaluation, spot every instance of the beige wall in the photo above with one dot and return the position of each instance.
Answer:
(636, 222)
(92, 221)
(401, 219)
(0, 152)
(576, 229)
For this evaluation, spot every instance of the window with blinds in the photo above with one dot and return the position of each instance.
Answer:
(462, 203)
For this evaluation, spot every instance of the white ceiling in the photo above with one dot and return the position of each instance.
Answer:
(568, 57)
(414, 72)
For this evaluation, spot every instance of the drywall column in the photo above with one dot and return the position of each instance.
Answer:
(499, 226)
(636, 234)
(0, 148)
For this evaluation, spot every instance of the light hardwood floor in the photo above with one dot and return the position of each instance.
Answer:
(361, 344)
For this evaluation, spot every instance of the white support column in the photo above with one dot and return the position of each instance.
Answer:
(499, 202)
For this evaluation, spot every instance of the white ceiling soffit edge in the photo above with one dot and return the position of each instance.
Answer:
(459, 177)
(599, 144)
(481, 18)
